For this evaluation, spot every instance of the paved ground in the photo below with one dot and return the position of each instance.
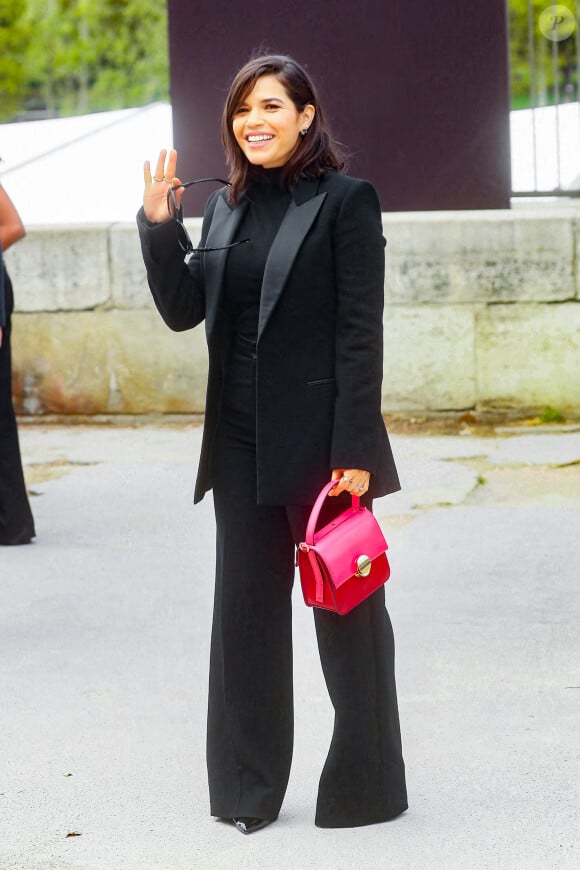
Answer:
(104, 627)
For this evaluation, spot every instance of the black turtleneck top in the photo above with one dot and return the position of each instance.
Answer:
(267, 205)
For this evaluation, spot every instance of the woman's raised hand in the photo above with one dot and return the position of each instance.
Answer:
(156, 187)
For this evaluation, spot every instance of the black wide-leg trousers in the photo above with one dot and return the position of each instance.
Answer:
(16, 522)
(250, 713)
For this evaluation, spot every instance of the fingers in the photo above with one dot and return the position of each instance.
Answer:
(166, 172)
(352, 480)
(336, 475)
(157, 186)
(160, 168)
(179, 191)
(162, 172)
(171, 165)
(147, 174)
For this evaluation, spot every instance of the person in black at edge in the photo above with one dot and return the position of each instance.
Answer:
(16, 522)
(289, 280)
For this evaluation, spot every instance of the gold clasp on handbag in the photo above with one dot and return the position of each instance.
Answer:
(363, 566)
(304, 547)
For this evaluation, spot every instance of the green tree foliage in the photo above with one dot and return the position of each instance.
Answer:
(78, 56)
(133, 48)
(547, 55)
(75, 56)
(12, 42)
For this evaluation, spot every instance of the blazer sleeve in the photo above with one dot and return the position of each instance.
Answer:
(359, 252)
(177, 287)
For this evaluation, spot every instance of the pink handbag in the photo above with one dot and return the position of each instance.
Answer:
(344, 562)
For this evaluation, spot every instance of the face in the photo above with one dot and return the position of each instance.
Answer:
(267, 125)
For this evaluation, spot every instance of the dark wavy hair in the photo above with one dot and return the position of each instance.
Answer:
(316, 152)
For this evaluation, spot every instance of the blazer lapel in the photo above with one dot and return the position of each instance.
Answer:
(297, 221)
(224, 224)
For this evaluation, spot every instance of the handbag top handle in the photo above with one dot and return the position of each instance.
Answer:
(317, 507)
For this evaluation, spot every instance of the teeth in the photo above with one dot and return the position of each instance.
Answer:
(259, 138)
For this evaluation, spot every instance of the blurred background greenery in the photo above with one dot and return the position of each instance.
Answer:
(71, 57)
(566, 70)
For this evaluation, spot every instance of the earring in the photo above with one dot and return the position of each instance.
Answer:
(304, 131)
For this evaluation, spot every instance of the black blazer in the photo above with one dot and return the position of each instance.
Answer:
(320, 337)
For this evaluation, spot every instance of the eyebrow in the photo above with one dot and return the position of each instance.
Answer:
(266, 100)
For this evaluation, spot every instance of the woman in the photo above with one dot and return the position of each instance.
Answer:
(16, 522)
(289, 280)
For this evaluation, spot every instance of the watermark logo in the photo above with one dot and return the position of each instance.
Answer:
(557, 23)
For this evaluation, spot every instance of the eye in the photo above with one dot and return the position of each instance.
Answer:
(240, 110)
(272, 106)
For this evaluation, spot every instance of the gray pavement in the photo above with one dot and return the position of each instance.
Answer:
(104, 627)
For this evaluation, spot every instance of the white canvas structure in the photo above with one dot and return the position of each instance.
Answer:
(557, 132)
(86, 169)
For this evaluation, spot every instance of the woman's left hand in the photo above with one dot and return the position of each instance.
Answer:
(352, 480)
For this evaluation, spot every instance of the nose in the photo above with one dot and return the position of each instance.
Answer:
(254, 117)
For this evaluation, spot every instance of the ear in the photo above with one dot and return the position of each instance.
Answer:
(307, 114)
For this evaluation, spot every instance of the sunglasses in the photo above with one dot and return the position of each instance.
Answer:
(176, 213)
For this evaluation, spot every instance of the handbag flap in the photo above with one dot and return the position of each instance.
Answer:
(339, 544)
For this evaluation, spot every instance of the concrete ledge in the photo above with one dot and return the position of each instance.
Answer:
(106, 362)
(577, 256)
(429, 357)
(128, 278)
(61, 268)
(498, 256)
(481, 311)
(529, 355)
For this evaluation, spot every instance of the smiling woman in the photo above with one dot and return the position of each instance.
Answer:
(289, 279)
(283, 111)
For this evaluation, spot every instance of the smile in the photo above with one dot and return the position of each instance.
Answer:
(259, 137)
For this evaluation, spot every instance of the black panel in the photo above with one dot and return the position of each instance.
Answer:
(418, 91)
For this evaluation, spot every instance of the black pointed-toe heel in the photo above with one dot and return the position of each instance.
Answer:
(248, 825)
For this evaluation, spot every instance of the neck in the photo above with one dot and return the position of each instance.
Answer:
(269, 177)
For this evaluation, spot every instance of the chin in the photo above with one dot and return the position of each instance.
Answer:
(256, 159)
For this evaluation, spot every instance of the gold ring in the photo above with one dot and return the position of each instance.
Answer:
(167, 180)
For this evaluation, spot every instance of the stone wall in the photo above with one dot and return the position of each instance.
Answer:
(482, 311)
